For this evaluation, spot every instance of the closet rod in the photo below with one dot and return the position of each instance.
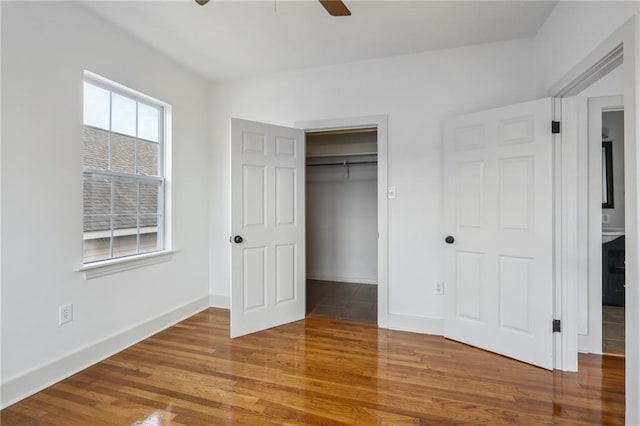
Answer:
(344, 163)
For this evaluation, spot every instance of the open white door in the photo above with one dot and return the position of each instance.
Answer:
(498, 213)
(267, 225)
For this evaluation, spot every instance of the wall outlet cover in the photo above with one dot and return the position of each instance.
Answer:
(65, 313)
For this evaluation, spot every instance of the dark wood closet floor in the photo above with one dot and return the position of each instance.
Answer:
(347, 301)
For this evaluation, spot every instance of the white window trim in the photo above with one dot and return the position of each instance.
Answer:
(121, 264)
(112, 266)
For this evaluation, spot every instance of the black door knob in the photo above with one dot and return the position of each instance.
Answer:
(449, 239)
(237, 239)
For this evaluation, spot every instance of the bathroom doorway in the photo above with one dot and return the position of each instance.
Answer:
(613, 232)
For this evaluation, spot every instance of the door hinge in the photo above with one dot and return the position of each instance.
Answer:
(555, 127)
(556, 326)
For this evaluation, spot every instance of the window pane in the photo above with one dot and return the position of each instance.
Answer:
(148, 158)
(125, 194)
(148, 123)
(97, 195)
(149, 197)
(125, 239)
(97, 224)
(149, 242)
(123, 115)
(123, 153)
(96, 106)
(97, 249)
(149, 234)
(96, 148)
(148, 222)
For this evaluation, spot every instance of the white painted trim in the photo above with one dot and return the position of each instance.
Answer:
(344, 279)
(220, 301)
(112, 266)
(629, 36)
(565, 237)
(19, 387)
(557, 235)
(575, 83)
(381, 123)
(415, 324)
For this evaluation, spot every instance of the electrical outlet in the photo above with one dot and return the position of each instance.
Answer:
(66, 313)
(438, 287)
(605, 218)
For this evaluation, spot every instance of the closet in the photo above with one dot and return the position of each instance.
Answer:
(341, 224)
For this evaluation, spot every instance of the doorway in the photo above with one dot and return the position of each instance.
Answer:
(601, 302)
(341, 224)
(613, 231)
(380, 124)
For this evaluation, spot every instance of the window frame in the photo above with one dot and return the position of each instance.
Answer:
(116, 264)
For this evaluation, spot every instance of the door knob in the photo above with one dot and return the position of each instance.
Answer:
(237, 239)
(449, 239)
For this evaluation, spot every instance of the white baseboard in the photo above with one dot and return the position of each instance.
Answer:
(219, 301)
(344, 280)
(586, 345)
(415, 324)
(20, 387)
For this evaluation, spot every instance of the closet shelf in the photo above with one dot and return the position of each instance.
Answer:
(344, 163)
(342, 155)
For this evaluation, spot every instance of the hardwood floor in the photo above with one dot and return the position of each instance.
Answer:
(321, 371)
(613, 330)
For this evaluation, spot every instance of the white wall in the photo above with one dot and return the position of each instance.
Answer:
(571, 32)
(417, 92)
(45, 48)
(342, 223)
(614, 121)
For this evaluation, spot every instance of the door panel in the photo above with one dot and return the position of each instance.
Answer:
(267, 211)
(498, 183)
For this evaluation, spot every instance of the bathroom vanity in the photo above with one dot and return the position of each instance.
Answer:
(613, 269)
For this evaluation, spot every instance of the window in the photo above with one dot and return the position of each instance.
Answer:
(123, 172)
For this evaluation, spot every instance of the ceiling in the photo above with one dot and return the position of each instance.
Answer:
(230, 39)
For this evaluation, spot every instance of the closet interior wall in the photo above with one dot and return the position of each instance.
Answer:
(341, 206)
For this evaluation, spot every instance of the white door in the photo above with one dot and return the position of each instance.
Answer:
(267, 225)
(498, 209)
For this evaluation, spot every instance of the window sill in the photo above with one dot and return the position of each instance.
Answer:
(113, 266)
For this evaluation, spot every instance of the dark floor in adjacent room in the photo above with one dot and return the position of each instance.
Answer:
(348, 301)
(613, 330)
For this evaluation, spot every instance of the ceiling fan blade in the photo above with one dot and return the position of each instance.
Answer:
(202, 2)
(335, 7)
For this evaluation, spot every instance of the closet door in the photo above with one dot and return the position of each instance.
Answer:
(498, 214)
(267, 225)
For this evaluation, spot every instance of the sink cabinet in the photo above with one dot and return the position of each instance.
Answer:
(613, 272)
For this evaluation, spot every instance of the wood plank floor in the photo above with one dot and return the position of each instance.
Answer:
(613, 330)
(321, 371)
